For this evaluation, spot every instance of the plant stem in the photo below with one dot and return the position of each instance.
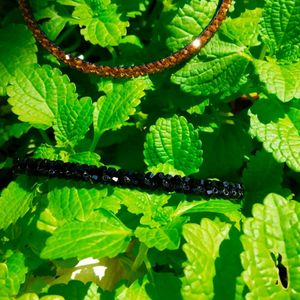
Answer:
(45, 137)
(113, 52)
(263, 52)
(64, 35)
(141, 257)
(95, 142)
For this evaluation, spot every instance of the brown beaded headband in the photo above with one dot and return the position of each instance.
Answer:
(133, 71)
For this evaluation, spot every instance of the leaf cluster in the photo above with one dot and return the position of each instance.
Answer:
(231, 112)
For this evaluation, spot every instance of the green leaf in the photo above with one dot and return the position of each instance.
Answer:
(68, 202)
(213, 205)
(105, 235)
(201, 249)
(273, 124)
(227, 282)
(163, 237)
(176, 142)
(43, 97)
(15, 201)
(102, 23)
(70, 2)
(220, 72)
(57, 153)
(133, 8)
(160, 229)
(53, 22)
(22, 52)
(46, 151)
(72, 121)
(136, 291)
(280, 26)
(280, 80)
(191, 18)
(137, 202)
(199, 109)
(156, 286)
(113, 110)
(270, 238)
(76, 289)
(244, 29)
(28, 92)
(9, 129)
(87, 157)
(29, 296)
(230, 144)
(262, 176)
(289, 53)
(47, 222)
(164, 286)
(52, 297)
(36, 92)
(166, 168)
(12, 275)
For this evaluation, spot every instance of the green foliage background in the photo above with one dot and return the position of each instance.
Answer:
(231, 112)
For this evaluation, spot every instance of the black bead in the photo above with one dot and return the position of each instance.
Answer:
(150, 176)
(177, 183)
(113, 174)
(82, 172)
(177, 179)
(158, 179)
(105, 179)
(167, 183)
(225, 192)
(240, 190)
(225, 184)
(59, 168)
(186, 179)
(93, 174)
(136, 179)
(197, 189)
(42, 167)
(240, 194)
(51, 168)
(217, 187)
(70, 171)
(124, 180)
(178, 188)
(31, 165)
(187, 184)
(101, 171)
(149, 181)
(95, 178)
(233, 193)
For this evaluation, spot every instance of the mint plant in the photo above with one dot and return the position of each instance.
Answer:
(231, 112)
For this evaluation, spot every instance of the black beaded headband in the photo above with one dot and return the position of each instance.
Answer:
(133, 71)
(122, 178)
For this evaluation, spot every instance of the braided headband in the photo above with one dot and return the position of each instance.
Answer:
(122, 178)
(134, 71)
